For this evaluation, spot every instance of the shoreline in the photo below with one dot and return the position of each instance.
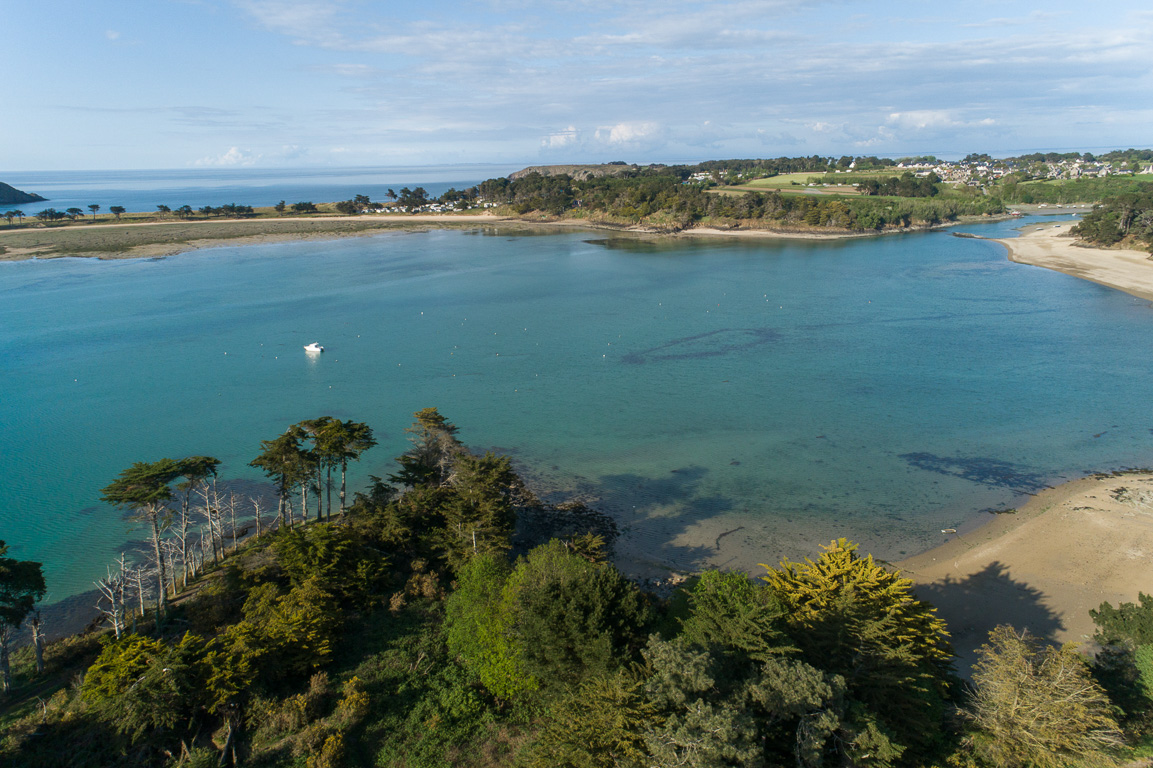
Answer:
(158, 239)
(1043, 567)
(1052, 247)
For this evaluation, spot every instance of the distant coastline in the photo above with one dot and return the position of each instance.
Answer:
(154, 239)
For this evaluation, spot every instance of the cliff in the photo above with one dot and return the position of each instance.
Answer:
(579, 172)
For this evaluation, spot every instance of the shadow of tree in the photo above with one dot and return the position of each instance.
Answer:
(653, 512)
(973, 606)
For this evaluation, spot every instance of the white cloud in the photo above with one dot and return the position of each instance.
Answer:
(922, 118)
(628, 133)
(235, 156)
(112, 34)
(304, 20)
(566, 138)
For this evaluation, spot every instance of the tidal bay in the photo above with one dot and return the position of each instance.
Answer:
(730, 402)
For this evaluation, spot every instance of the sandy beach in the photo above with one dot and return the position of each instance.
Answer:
(1051, 246)
(1046, 565)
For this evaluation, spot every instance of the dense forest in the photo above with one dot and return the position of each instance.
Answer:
(446, 616)
(1127, 216)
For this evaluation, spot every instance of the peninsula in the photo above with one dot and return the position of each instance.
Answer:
(9, 195)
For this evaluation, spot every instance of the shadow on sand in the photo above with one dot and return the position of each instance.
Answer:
(973, 606)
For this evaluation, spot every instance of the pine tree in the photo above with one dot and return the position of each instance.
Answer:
(854, 618)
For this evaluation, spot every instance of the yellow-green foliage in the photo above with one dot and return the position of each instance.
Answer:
(1037, 705)
(841, 583)
(855, 618)
(354, 704)
(119, 665)
(602, 723)
(331, 754)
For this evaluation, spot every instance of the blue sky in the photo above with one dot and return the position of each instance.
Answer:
(106, 84)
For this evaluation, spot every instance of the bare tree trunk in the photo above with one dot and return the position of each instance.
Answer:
(37, 623)
(256, 513)
(5, 670)
(138, 578)
(115, 611)
(328, 489)
(344, 471)
(162, 595)
(172, 547)
(182, 529)
(112, 589)
(218, 519)
(232, 516)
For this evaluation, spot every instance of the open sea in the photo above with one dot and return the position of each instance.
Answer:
(731, 402)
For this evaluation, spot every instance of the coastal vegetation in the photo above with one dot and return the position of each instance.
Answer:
(808, 195)
(1121, 219)
(447, 616)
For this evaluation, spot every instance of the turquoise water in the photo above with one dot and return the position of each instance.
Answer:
(731, 402)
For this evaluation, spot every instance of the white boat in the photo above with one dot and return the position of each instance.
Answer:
(313, 349)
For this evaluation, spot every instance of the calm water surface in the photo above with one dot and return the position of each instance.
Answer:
(731, 402)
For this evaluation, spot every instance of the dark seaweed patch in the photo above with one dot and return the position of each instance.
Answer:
(711, 344)
(979, 469)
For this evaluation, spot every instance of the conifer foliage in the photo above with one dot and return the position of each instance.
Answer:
(1037, 705)
(857, 619)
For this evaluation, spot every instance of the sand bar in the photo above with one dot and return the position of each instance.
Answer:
(153, 239)
(1051, 246)
(1046, 565)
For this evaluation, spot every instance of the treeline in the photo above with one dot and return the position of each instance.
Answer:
(778, 165)
(1128, 215)
(661, 200)
(1012, 189)
(905, 185)
(451, 618)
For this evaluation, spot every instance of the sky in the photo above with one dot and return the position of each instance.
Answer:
(156, 84)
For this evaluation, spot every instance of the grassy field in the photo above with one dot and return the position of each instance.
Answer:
(799, 182)
(783, 181)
